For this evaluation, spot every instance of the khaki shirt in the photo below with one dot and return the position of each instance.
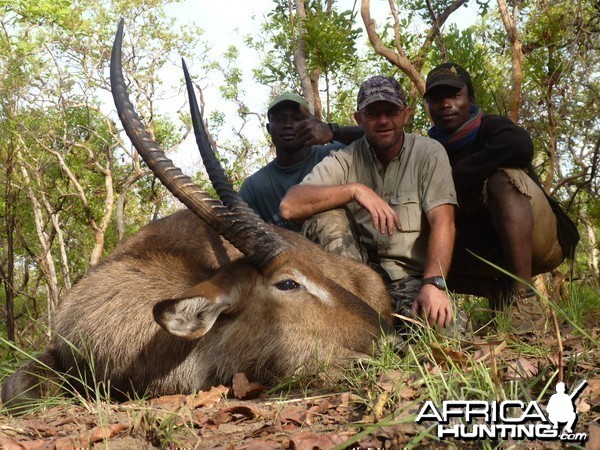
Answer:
(417, 180)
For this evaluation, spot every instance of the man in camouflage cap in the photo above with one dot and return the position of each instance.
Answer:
(391, 194)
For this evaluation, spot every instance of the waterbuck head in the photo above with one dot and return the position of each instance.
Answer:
(196, 297)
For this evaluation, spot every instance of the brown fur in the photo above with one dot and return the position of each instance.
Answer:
(337, 308)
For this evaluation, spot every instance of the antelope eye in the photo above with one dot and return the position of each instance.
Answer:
(287, 285)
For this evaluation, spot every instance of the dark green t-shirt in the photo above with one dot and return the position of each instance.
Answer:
(264, 189)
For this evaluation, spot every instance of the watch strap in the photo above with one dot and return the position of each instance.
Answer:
(335, 130)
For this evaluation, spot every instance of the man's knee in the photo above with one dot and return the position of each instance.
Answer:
(507, 186)
(518, 192)
(498, 183)
(334, 231)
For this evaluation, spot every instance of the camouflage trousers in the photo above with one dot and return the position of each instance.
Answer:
(337, 232)
(403, 293)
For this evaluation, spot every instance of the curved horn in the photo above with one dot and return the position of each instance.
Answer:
(215, 170)
(257, 243)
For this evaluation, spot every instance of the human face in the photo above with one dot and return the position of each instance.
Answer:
(281, 127)
(449, 107)
(383, 124)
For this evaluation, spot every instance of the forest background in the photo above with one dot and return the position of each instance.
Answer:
(72, 186)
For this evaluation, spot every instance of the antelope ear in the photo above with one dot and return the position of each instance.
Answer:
(189, 318)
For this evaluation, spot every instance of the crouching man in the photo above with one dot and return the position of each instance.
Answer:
(387, 199)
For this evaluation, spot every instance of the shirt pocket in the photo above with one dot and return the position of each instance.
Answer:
(406, 205)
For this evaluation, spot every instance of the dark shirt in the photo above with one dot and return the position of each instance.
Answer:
(265, 189)
(499, 143)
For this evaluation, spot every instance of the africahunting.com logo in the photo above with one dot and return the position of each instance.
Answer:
(509, 419)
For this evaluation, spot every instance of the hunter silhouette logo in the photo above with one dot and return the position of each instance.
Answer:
(508, 419)
(561, 407)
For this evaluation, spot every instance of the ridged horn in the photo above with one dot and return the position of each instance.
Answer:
(229, 196)
(215, 170)
(256, 243)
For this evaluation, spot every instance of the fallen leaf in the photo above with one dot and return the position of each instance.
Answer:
(575, 343)
(388, 437)
(593, 437)
(39, 427)
(489, 349)
(235, 414)
(583, 406)
(225, 447)
(70, 443)
(378, 408)
(320, 408)
(62, 421)
(260, 444)
(521, 369)
(11, 444)
(311, 441)
(198, 418)
(105, 432)
(554, 359)
(296, 416)
(389, 380)
(170, 402)
(442, 354)
(210, 398)
(244, 389)
(591, 393)
(433, 369)
(406, 393)
(346, 399)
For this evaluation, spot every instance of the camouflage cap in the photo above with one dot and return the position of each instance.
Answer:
(448, 74)
(289, 97)
(380, 88)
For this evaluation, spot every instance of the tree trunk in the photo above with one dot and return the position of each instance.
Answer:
(593, 258)
(45, 260)
(9, 275)
(314, 82)
(54, 217)
(300, 58)
(399, 59)
(109, 202)
(510, 25)
(552, 144)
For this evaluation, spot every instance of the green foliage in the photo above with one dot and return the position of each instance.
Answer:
(330, 38)
(582, 306)
(39, 11)
(60, 144)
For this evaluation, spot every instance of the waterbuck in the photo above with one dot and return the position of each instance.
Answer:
(195, 297)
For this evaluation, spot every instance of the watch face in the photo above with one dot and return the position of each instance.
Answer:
(438, 282)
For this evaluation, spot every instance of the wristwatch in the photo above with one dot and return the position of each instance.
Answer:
(438, 282)
(335, 130)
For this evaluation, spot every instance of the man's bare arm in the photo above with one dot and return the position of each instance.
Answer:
(305, 200)
(441, 241)
(432, 303)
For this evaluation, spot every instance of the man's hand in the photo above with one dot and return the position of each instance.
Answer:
(433, 305)
(384, 216)
(312, 131)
